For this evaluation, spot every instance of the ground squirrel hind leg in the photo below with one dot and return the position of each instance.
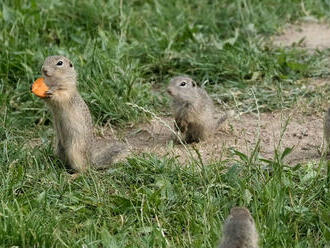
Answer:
(76, 159)
(195, 133)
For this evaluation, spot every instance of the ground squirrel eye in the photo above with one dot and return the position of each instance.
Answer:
(182, 84)
(60, 63)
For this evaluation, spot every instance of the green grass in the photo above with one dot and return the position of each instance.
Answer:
(153, 202)
(125, 52)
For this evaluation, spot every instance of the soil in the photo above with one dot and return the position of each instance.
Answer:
(309, 35)
(273, 130)
(277, 130)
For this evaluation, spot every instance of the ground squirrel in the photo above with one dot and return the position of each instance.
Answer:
(75, 143)
(193, 110)
(239, 230)
(326, 130)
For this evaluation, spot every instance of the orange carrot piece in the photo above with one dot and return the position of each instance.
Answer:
(39, 88)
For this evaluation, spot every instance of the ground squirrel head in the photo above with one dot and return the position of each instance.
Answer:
(57, 70)
(241, 213)
(183, 89)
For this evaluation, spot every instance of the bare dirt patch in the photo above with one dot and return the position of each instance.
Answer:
(309, 35)
(274, 130)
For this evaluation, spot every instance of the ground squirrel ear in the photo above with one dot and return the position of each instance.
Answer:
(71, 65)
(193, 83)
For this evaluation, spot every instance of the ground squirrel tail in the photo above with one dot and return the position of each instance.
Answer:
(105, 153)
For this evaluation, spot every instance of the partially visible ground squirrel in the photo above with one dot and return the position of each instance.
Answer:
(326, 130)
(75, 143)
(193, 110)
(239, 230)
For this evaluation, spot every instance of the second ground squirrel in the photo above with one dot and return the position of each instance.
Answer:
(75, 143)
(239, 230)
(193, 110)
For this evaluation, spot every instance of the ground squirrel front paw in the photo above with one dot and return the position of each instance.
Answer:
(49, 93)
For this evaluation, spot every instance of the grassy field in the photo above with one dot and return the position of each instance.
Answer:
(125, 52)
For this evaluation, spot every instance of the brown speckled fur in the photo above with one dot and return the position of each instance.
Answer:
(193, 110)
(239, 230)
(75, 143)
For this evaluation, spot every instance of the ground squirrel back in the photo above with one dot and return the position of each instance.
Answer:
(239, 230)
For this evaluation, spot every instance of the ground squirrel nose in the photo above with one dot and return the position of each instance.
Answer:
(44, 70)
(169, 91)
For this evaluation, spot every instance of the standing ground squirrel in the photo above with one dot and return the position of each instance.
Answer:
(326, 130)
(239, 230)
(193, 110)
(75, 143)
